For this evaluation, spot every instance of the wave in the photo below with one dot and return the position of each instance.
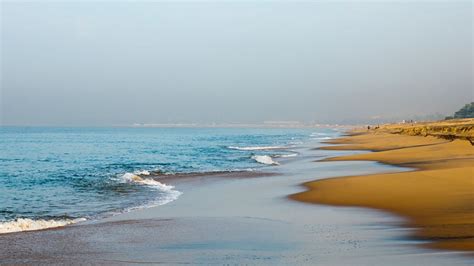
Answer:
(169, 194)
(264, 159)
(143, 172)
(316, 134)
(323, 138)
(286, 155)
(26, 224)
(165, 175)
(255, 148)
(133, 178)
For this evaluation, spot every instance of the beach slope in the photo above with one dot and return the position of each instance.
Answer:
(437, 197)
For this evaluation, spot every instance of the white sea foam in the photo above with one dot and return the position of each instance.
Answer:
(143, 172)
(286, 155)
(133, 178)
(316, 134)
(169, 195)
(322, 138)
(25, 224)
(255, 148)
(264, 159)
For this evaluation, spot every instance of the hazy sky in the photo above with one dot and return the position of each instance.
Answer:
(103, 63)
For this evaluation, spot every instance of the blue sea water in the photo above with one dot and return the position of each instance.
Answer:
(68, 173)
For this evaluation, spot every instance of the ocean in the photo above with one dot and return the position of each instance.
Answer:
(57, 176)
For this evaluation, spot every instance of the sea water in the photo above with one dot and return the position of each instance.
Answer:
(56, 176)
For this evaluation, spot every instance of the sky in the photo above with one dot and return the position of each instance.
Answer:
(106, 63)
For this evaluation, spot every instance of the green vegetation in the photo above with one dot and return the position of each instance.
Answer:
(466, 112)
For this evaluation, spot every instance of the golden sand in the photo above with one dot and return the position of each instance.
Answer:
(437, 198)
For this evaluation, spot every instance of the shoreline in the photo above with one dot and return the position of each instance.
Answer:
(435, 197)
(237, 220)
(20, 225)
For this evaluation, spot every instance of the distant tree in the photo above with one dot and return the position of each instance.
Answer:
(466, 112)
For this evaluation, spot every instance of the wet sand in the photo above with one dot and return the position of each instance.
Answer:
(437, 198)
(244, 220)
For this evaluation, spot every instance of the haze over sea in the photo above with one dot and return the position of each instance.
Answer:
(65, 174)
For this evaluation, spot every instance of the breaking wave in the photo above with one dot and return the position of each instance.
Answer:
(323, 138)
(25, 224)
(286, 155)
(264, 159)
(143, 172)
(255, 148)
(168, 193)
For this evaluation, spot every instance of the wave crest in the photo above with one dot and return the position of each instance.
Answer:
(26, 224)
(133, 178)
(264, 159)
(255, 148)
(286, 155)
(143, 172)
(322, 138)
(169, 195)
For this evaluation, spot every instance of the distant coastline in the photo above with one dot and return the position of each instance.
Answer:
(270, 124)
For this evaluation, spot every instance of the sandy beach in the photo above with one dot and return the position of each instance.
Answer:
(437, 197)
(237, 133)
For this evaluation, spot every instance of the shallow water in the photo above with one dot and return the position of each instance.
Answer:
(69, 173)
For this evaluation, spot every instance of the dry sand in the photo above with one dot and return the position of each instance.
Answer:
(437, 198)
